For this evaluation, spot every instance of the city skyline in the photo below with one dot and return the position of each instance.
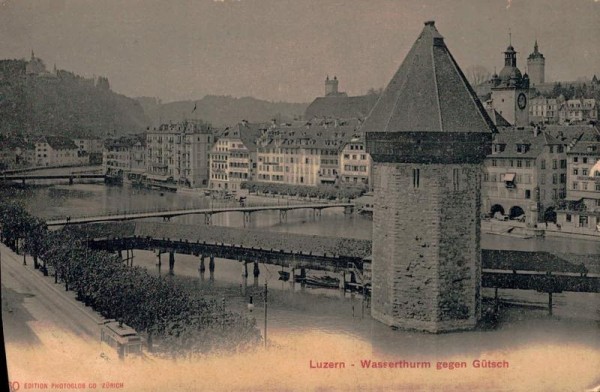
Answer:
(282, 51)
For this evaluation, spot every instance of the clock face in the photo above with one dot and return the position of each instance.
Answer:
(522, 101)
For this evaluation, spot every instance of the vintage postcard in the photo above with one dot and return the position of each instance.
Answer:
(300, 195)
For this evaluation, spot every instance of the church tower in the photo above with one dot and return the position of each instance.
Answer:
(510, 91)
(536, 64)
(428, 135)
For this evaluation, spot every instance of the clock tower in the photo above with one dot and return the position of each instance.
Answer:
(510, 91)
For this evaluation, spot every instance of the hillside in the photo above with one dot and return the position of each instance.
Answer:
(63, 103)
(221, 110)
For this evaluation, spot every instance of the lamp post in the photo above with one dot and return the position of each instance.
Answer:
(266, 292)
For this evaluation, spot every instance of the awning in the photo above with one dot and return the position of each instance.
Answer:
(509, 177)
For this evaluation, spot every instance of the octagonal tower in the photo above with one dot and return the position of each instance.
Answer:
(428, 136)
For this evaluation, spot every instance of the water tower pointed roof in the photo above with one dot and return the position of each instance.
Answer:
(429, 93)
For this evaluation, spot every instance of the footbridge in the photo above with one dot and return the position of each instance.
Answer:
(70, 177)
(207, 212)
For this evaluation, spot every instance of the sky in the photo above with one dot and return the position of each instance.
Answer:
(282, 50)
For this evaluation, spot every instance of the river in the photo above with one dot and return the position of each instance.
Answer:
(296, 309)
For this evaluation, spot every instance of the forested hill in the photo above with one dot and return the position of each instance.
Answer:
(221, 110)
(62, 103)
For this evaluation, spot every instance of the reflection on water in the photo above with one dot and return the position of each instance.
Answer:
(295, 308)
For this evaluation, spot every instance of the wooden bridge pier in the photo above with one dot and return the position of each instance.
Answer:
(159, 258)
(256, 269)
(244, 269)
(201, 267)
(283, 216)
(211, 263)
(171, 261)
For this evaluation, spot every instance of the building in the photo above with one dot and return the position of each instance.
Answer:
(510, 91)
(90, 147)
(545, 110)
(576, 111)
(124, 159)
(232, 158)
(15, 152)
(178, 154)
(307, 154)
(428, 136)
(355, 163)
(336, 105)
(57, 151)
(581, 213)
(536, 64)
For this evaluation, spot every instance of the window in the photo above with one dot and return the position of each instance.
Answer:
(416, 179)
(585, 160)
(519, 163)
(575, 172)
(455, 179)
(494, 163)
(527, 194)
(542, 179)
(543, 164)
(584, 172)
(575, 185)
(569, 218)
(554, 164)
(554, 178)
(563, 178)
(563, 163)
(528, 163)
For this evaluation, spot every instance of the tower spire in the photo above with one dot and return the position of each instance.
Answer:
(509, 37)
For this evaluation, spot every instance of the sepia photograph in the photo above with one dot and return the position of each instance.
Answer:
(300, 195)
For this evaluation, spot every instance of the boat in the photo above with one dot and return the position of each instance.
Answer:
(284, 275)
(320, 281)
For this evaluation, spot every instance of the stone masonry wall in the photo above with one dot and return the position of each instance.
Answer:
(426, 252)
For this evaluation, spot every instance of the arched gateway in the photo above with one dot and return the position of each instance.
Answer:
(428, 136)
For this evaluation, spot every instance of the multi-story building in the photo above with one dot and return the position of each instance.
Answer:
(355, 163)
(232, 158)
(526, 173)
(578, 111)
(124, 159)
(15, 152)
(545, 110)
(90, 147)
(178, 153)
(303, 155)
(582, 211)
(57, 151)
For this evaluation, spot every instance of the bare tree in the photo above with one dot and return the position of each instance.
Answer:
(477, 74)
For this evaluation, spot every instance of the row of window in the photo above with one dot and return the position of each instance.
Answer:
(584, 186)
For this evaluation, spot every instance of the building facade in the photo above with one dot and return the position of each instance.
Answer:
(577, 111)
(356, 164)
(581, 213)
(545, 110)
(178, 154)
(233, 157)
(57, 151)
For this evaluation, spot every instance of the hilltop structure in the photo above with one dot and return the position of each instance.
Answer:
(428, 136)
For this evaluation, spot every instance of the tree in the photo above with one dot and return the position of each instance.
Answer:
(477, 74)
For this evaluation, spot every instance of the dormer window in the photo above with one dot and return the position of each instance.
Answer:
(498, 147)
(522, 148)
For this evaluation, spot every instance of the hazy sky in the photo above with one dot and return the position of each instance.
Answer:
(283, 49)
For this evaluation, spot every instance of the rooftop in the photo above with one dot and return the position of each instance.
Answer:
(429, 93)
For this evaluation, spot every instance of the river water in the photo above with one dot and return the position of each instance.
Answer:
(295, 309)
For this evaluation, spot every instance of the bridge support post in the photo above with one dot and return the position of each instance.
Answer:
(256, 269)
(23, 181)
(550, 303)
(202, 267)
(70, 180)
(282, 215)
(121, 254)
(343, 281)
(158, 259)
(171, 261)
(293, 276)
(244, 269)
(211, 264)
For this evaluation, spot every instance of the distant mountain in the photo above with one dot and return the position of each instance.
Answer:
(221, 110)
(35, 101)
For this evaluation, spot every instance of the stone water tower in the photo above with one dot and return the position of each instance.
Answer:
(428, 136)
